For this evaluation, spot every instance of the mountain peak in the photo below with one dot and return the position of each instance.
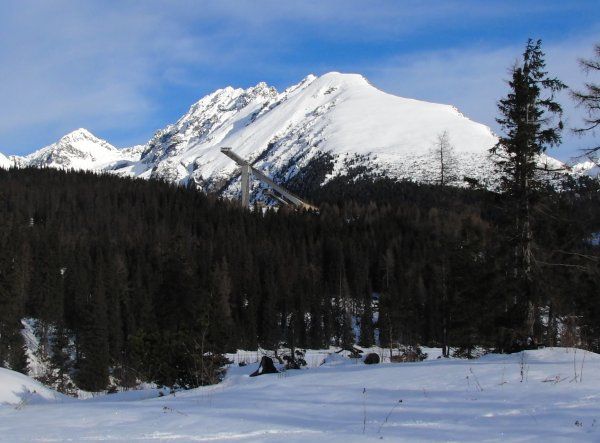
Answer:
(344, 77)
(342, 80)
(81, 131)
(262, 87)
(78, 134)
(79, 149)
(83, 140)
(331, 79)
(341, 114)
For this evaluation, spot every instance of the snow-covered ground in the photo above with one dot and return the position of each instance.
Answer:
(18, 390)
(341, 400)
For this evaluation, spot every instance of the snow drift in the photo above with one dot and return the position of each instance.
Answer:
(19, 390)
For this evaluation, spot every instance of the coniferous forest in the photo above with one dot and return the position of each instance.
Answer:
(146, 281)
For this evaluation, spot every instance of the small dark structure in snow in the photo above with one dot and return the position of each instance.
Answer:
(266, 367)
(371, 359)
(355, 353)
(295, 359)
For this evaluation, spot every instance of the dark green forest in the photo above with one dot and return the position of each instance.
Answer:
(146, 281)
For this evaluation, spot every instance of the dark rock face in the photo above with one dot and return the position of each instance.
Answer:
(266, 367)
(372, 359)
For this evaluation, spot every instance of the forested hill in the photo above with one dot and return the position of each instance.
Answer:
(148, 277)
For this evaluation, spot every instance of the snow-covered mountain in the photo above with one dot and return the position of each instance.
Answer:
(340, 116)
(79, 150)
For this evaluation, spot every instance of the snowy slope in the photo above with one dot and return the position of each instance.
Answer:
(343, 401)
(5, 163)
(79, 150)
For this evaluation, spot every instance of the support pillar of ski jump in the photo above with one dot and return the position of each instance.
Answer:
(248, 170)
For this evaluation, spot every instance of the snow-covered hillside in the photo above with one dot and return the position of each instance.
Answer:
(342, 115)
(531, 396)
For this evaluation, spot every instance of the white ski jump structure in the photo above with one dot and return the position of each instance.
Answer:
(276, 191)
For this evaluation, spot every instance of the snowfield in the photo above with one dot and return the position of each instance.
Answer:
(340, 401)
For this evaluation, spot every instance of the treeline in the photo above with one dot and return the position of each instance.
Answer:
(141, 280)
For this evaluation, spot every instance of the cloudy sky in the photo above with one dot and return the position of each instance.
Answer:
(124, 69)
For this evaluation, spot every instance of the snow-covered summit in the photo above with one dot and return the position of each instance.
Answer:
(79, 149)
(339, 114)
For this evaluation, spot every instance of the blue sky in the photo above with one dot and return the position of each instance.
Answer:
(124, 69)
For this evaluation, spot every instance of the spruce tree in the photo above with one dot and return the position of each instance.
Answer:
(92, 341)
(12, 351)
(366, 321)
(220, 307)
(528, 118)
(60, 361)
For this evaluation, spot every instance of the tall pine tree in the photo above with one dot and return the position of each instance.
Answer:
(528, 119)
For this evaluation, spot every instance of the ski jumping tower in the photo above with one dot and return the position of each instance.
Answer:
(276, 191)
